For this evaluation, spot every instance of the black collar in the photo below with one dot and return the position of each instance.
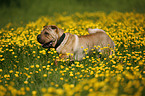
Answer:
(60, 40)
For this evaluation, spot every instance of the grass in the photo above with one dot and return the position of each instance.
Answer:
(28, 69)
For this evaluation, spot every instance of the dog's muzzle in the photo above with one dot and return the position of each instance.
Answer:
(44, 45)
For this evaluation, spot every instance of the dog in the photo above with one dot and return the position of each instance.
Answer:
(53, 37)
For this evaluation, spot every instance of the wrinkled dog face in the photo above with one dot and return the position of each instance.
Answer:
(48, 36)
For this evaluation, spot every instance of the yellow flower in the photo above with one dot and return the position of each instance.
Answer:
(51, 89)
(37, 66)
(84, 58)
(1, 70)
(38, 56)
(71, 54)
(67, 54)
(25, 82)
(61, 78)
(110, 56)
(87, 56)
(34, 52)
(28, 76)
(141, 62)
(44, 75)
(91, 73)
(16, 75)
(27, 89)
(60, 91)
(77, 63)
(32, 66)
(43, 90)
(26, 68)
(44, 66)
(86, 49)
(34, 92)
(48, 61)
(98, 46)
(86, 87)
(56, 85)
(71, 74)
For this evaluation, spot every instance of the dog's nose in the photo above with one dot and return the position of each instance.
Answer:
(38, 37)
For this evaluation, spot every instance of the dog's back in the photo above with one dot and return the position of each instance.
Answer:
(98, 38)
(91, 31)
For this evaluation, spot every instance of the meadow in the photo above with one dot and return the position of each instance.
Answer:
(28, 69)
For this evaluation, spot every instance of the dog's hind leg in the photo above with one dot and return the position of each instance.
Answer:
(91, 31)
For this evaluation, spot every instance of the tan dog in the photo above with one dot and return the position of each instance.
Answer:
(52, 36)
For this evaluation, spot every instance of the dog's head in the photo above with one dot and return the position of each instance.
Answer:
(49, 36)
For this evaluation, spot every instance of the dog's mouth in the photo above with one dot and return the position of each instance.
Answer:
(47, 45)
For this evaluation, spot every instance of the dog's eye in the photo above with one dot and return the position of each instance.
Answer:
(46, 33)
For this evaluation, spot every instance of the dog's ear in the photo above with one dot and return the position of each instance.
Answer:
(53, 27)
(58, 30)
(45, 26)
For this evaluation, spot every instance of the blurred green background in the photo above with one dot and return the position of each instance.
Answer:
(20, 12)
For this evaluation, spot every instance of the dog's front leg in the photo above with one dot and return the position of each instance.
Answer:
(64, 57)
(56, 61)
(61, 57)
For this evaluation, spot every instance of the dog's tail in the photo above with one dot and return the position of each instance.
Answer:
(91, 31)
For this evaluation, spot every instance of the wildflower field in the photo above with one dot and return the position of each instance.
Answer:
(28, 69)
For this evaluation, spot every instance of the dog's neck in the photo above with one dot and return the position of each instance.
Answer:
(60, 33)
(60, 40)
